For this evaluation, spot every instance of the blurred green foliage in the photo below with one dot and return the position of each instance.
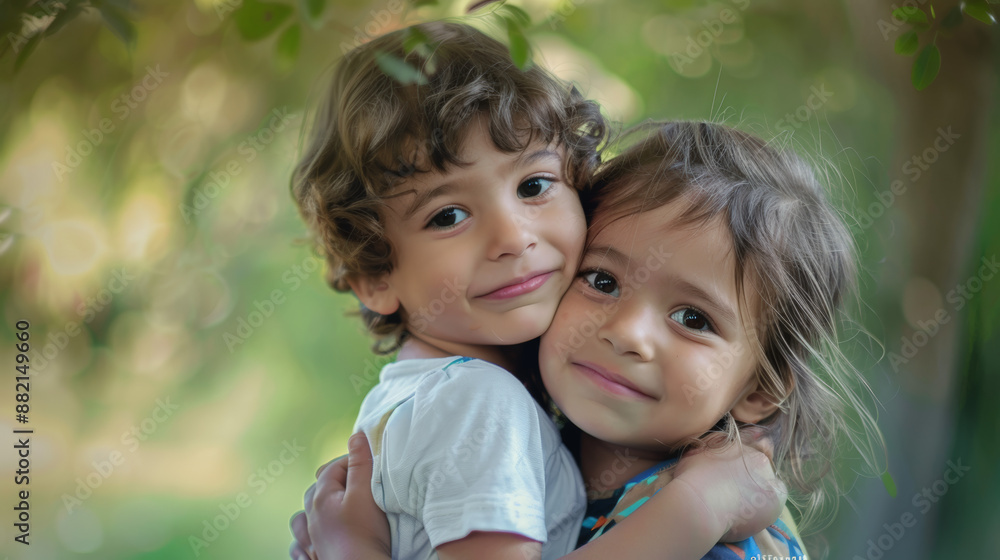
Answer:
(928, 62)
(158, 139)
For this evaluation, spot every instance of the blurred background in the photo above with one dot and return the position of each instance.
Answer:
(190, 369)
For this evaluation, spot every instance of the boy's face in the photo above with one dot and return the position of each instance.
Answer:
(647, 347)
(484, 252)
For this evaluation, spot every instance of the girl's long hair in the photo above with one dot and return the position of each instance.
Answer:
(795, 260)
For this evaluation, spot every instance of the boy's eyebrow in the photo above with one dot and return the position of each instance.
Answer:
(523, 159)
(421, 199)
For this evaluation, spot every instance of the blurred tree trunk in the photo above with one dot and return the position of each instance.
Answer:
(930, 235)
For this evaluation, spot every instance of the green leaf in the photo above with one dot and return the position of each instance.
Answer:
(925, 67)
(519, 15)
(520, 50)
(953, 18)
(910, 14)
(287, 47)
(116, 21)
(256, 20)
(414, 38)
(26, 51)
(907, 43)
(890, 484)
(430, 65)
(417, 41)
(419, 3)
(399, 70)
(312, 9)
(979, 10)
(62, 18)
(478, 5)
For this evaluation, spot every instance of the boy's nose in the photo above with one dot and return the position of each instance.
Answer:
(511, 234)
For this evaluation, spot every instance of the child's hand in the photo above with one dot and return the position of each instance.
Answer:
(738, 484)
(301, 548)
(341, 520)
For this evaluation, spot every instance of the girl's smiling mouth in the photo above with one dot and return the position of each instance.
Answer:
(610, 381)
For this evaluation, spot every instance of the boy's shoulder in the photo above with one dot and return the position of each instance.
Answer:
(444, 374)
(468, 413)
(469, 385)
(449, 366)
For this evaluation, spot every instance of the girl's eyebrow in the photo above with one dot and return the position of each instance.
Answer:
(610, 253)
(722, 310)
(617, 258)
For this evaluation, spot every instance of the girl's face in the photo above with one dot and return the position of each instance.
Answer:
(647, 347)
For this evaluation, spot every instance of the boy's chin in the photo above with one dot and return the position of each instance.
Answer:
(517, 334)
(528, 322)
(498, 329)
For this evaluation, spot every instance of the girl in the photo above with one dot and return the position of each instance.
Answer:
(737, 330)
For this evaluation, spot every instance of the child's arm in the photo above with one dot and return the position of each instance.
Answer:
(340, 502)
(354, 528)
(752, 498)
(713, 492)
(719, 495)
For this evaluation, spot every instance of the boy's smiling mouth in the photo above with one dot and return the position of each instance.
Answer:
(519, 286)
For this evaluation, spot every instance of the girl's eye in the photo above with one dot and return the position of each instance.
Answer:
(533, 187)
(448, 218)
(602, 282)
(692, 319)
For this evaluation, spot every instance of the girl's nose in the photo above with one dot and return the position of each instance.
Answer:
(631, 330)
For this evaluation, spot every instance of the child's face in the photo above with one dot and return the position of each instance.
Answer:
(647, 347)
(491, 248)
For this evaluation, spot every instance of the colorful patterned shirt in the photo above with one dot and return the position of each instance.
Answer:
(779, 541)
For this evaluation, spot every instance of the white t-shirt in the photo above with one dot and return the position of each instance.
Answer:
(465, 448)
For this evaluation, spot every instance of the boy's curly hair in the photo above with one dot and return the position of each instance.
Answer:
(371, 132)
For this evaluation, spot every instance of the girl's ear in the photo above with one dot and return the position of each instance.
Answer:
(375, 293)
(755, 405)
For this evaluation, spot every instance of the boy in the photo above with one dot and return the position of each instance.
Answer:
(448, 209)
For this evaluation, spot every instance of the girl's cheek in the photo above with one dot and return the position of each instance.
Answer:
(557, 330)
(569, 317)
(554, 334)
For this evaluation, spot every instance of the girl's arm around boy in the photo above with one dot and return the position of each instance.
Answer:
(715, 496)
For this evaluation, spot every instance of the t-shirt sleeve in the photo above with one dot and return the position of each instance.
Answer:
(465, 454)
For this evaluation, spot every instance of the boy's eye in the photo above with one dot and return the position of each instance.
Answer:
(602, 282)
(534, 187)
(448, 217)
(692, 319)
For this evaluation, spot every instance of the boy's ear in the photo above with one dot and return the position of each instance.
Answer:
(375, 293)
(755, 405)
